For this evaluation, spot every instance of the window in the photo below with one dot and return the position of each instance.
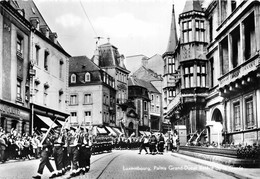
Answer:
(152, 108)
(19, 45)
(87, 77)
(249, 36)
(201, 76)
(152, 98)
(172, 92)
(200, 30)
(46, 60)
(188, 77)
(145, 106)
(45, 95)
(19, 89)
(249, 112)
(157, 99)
(211, 29)
(61, 69)
(235, 45)
(237, 122)
(212, 69)
(224, 61)
(73, 99)
(158, 109)
(87, 98)
(73, 117)
(87, 113)
(170, 65)
(73, 78)
(187, 31)
(37, 52)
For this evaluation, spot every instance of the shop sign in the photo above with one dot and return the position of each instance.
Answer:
(9, 110)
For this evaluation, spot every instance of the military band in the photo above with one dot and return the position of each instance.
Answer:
(71, 150)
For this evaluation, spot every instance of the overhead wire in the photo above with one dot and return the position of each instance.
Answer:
(88, 18)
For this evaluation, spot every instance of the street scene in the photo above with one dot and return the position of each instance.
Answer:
(129, 89)
(123, 164)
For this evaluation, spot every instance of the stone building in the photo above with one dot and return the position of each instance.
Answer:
(92, 94)
(48, 70)
(186, 72)
(217, 71)
(233, 75)
(107, 57)
(14, 68)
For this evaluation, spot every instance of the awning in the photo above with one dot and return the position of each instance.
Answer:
(61, 122)
(112, 132)
(47, 121)
(101, 130)
(117, 131)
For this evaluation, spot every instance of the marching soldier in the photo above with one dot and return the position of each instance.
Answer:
(85, 151)
(73, 151)
(58, 140)
(65, 159)
(45, 154)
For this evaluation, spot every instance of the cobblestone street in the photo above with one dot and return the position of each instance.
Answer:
(122, 164)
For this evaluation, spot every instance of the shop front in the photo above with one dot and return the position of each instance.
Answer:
(15, 117)
(43, 118)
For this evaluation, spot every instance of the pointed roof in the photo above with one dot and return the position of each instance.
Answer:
(192, 5)
(173, 40)
(82, 64)
(133, 81)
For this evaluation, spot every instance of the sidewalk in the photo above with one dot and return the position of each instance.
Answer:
(243, 173)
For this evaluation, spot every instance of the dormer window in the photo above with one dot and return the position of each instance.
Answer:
(87, 77)
(73, 78)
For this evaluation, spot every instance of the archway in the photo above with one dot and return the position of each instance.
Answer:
(215, 127)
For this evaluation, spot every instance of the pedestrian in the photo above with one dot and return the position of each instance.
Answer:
(161, 144)
(45, 154)
(143, 144)
(153, 142)
(3, 147)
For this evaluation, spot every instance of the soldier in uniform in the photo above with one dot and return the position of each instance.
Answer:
(73, 151)
(85, 151)
(45, 154)
(58, 140)
(65, 159)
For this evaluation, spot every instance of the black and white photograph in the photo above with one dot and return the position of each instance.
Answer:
(129, 89)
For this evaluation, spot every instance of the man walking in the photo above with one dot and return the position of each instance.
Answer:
(45, 154)
(143, 144)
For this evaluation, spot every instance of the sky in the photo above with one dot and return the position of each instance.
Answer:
(133, 26)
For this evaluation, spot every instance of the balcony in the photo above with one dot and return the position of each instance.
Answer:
(239, 77)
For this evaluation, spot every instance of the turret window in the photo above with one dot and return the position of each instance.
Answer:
(188, 77)
(187, 31)
(200, 31)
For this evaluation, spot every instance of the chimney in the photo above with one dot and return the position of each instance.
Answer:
(53, 37)
(45, 30)
(35, 22)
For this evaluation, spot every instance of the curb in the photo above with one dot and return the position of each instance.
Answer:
(192, 159)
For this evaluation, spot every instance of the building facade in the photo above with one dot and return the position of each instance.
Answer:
(233, 62)
(109, 60)
(218, 59)
(92, 94)
(14, 67)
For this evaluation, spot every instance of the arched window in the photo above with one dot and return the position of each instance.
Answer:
(87, 77)
(73, 78)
